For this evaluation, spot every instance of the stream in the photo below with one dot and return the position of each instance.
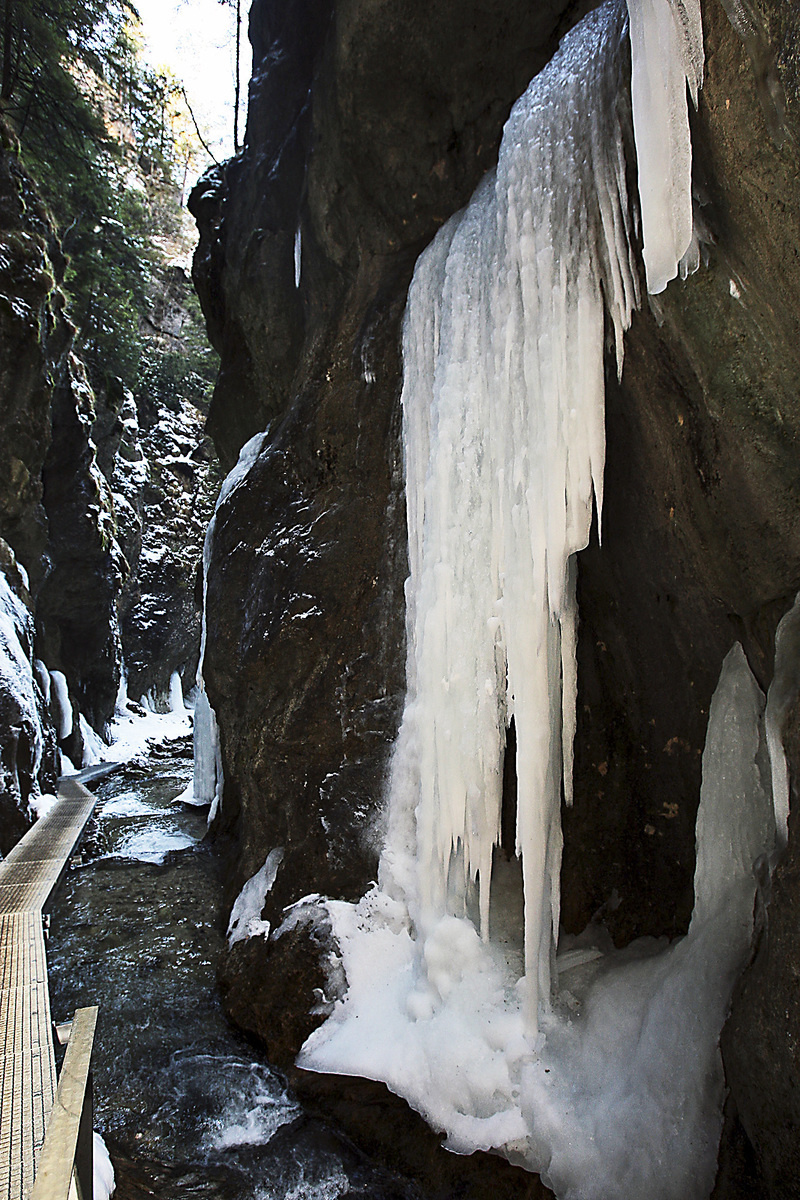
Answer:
(187, 1107)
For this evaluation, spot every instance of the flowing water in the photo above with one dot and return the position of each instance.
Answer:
(187, 1107)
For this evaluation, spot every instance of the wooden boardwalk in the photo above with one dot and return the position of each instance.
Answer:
(28, 876)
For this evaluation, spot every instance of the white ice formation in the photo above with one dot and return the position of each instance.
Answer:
(245, 919)
(208, 778)
(599, 1069)
(298, 256)
(61, 706)
(621, 1093)
(503, 404)
(103, 1183)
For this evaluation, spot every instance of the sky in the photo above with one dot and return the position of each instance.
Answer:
(195, 39)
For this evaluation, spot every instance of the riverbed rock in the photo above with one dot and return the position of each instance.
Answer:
(366, 131)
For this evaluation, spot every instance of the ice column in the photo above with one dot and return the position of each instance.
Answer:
(503, 404)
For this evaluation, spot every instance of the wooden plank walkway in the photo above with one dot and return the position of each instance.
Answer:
(28, 876)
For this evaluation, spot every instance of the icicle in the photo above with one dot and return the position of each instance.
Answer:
(298, 256)
(62, 708)
(667, 53)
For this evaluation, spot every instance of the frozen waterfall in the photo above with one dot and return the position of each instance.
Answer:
(504, 440)
(599, 1080)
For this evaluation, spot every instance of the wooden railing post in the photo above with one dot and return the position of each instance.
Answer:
(68, 1140)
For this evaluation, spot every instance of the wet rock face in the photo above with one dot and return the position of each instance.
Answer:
(701, 545)
(33, 339)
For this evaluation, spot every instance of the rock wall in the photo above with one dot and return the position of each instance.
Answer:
(103, 509)
(369, 125)
(55, 511)
(163, 475)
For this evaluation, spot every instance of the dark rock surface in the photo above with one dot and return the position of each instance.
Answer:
(28, 751)
(368, 126)
(34, 339)
(163, 473)
(164, 477)
(77, 603)
(55, 510)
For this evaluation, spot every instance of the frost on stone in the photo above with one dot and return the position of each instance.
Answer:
(245, 919)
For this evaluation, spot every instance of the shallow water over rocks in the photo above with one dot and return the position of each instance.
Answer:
(187, 1107)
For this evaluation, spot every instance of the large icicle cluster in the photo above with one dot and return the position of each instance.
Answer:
(504, 436)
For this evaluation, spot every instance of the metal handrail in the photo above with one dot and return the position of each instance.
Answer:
(68, 1147)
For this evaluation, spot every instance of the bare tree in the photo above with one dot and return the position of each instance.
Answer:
(236, 5)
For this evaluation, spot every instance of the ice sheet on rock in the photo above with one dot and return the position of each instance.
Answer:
(176, 704)
(782, 693)
(245, 919)
(94, 748)
(208, 778)
(625, 1075)
(207, 765)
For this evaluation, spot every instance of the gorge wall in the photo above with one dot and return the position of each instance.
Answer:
(62, 563)
(103, 509)
(368, 126)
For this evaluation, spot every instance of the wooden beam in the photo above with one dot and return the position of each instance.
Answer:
(68, 1143)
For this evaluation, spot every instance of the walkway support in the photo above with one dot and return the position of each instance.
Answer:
(28, 876)
(68, 1144)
